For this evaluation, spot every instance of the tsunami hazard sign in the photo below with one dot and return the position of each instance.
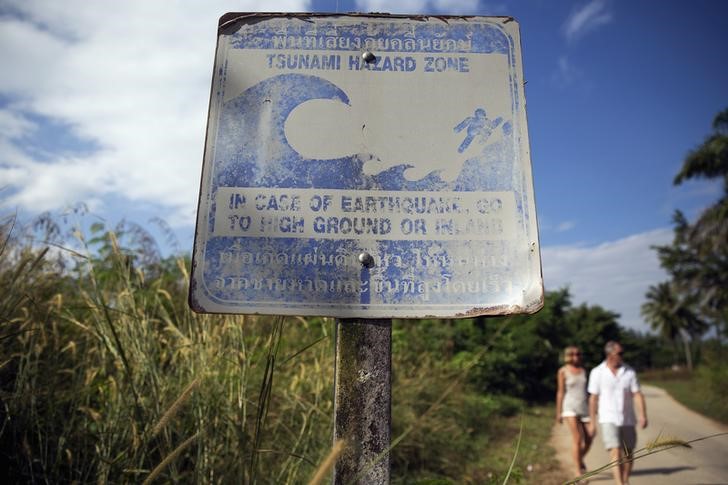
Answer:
(368, 166)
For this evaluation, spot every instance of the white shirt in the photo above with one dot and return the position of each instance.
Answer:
(615, 393)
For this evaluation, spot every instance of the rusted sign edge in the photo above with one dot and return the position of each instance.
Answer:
(192, 291)
(503, 310)
(231, 18)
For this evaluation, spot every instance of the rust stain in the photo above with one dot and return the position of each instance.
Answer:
(231, 18)
(500, 310)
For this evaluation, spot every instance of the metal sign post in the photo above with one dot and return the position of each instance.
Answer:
(362, 400)
(366, 166)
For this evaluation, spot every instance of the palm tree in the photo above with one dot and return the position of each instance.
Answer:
(710, 159)
(672, 317)
(697, 260)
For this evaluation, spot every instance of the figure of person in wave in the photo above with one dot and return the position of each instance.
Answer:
(478, 126)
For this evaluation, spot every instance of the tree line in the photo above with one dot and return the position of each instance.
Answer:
(695, 297)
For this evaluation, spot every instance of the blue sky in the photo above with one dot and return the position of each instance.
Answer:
(111, 111)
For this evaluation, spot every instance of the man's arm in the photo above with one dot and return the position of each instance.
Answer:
(593, 404)
(641, 408)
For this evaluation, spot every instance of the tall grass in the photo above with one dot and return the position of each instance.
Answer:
(106, 376)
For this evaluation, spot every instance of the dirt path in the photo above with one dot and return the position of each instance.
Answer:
(705, 463)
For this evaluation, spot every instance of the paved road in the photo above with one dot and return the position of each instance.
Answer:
(705, 463)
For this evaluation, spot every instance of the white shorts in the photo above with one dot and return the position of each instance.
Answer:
(573, 414)
(614, 436)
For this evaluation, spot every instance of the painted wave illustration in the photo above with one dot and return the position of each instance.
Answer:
(251, 150)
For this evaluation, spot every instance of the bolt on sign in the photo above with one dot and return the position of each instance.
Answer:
(370, 166)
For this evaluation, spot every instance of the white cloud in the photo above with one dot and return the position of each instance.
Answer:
(402, 6)
(132, 76)
(587, 18)
(566, 73)
(614, 275)
(453, 7)
(546, 225)
(565, 226)
(13, 125)
(456, 6)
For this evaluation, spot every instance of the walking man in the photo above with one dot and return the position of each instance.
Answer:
(613, 392)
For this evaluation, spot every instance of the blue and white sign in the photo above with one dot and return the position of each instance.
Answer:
(316, 158)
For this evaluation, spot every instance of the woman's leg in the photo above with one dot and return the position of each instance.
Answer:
(587, 439)
(573, 423)
(585, 443)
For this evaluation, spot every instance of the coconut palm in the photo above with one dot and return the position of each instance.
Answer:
(697, 259)
(672, 317)
(710, 159)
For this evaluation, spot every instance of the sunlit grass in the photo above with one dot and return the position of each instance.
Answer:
(106, 376)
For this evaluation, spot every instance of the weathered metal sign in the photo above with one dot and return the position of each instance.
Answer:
(367, 166)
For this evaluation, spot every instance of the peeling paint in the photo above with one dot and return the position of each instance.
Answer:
(436, 188)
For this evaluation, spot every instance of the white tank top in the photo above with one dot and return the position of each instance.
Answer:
(575, 399)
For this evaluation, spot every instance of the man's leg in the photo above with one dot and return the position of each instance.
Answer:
(612, 443)
(616, 455)
(627, 469)
(628, 435)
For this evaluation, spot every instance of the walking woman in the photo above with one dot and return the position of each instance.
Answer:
(572, 404)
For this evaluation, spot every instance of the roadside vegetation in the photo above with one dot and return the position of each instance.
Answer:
(107, 376)
(705, 390)
(693, 302)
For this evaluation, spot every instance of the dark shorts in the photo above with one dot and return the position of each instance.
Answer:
(614, 436)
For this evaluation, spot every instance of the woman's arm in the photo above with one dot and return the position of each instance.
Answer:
(559, 393)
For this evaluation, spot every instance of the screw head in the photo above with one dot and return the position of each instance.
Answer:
(366, 260)
(368, 57)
